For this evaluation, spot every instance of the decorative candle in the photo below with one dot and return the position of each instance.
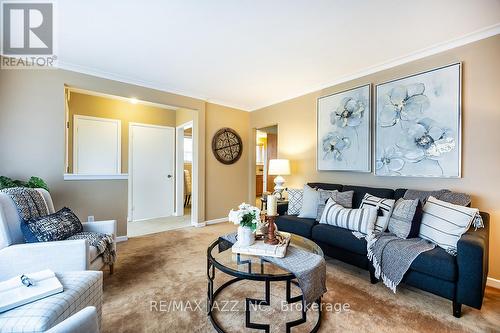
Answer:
(272, 205)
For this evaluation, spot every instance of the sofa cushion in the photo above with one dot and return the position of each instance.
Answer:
(360, 191)
(436, 263)
(296, 225)
(326, 186)
(338, 237)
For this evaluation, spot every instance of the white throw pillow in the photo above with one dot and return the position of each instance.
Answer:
(385, 206)
(310, 202)
(444, 223)
(361, 220)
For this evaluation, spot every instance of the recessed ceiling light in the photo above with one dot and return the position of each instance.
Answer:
(134, 100)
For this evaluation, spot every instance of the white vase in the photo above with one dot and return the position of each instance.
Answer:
(245, 236)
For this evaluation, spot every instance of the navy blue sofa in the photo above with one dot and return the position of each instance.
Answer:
(461, 278)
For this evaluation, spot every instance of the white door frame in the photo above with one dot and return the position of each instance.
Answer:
(118, 122)
(179, 170)
(130, 165)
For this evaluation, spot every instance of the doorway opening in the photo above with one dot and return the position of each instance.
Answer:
(178, 183)
(266, 150)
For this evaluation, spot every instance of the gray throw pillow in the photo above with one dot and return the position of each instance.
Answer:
(423, 195)
(456, 198)
(342, 198)
(402, 217)
(294, 200)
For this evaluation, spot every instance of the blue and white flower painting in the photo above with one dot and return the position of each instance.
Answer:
(344, 130)
(418, 125)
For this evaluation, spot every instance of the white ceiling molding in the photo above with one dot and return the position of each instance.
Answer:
(429, 51)
(142, 83)
(250, 54)
(435, 49)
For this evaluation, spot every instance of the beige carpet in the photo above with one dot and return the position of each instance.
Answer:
(171, 266)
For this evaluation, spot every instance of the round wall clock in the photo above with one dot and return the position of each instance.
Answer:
(227, 146)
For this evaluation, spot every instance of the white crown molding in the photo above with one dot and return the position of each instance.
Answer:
(426, 52)
(437, 48)
(146, 84)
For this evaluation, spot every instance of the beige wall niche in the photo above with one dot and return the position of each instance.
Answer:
(296, 119)
(113, 108)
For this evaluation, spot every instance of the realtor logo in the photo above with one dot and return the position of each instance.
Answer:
(27, 30)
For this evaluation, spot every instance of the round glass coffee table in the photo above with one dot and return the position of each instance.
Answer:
(246, 267)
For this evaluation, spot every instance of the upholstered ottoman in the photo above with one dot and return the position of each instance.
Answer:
(81, 289)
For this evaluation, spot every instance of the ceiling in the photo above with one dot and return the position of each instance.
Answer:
(253, 53)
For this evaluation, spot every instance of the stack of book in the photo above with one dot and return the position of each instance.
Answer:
(260, 248)
(28, 288)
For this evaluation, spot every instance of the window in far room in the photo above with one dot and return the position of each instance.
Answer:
(188, 149)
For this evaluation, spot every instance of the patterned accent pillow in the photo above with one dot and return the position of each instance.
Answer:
(53, 227)
(342, 198)
(384, 210)
(444, 223)
(361, 220)
(400, 222)
(294, 200)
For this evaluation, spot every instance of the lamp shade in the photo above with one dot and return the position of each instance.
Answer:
(279, 167)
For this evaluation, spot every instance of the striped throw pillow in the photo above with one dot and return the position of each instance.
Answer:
(444, 223)
(361, 220)
(384, 209)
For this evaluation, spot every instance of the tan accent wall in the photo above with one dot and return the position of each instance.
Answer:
(183, 116)
(32, 138)
(226, 185)
(296, 119)
(106, 107)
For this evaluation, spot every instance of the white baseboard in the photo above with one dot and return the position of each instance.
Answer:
(121, 239)
(494, 283)
(215, 221)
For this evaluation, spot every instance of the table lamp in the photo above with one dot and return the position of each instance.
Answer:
(279, 167)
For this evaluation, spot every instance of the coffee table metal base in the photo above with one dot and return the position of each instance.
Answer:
(289, 279)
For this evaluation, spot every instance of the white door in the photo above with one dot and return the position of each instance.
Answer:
(151, 171)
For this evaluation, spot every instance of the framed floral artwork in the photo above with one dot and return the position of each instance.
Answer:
(343, 130)
(418, 124)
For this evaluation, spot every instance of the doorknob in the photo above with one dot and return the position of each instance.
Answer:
(169, 176)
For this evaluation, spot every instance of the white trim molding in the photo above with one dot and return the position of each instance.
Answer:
(74, 176)
(121, 239)
(215, 221)
(493, 283)
(475, 36)
(419, 54)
